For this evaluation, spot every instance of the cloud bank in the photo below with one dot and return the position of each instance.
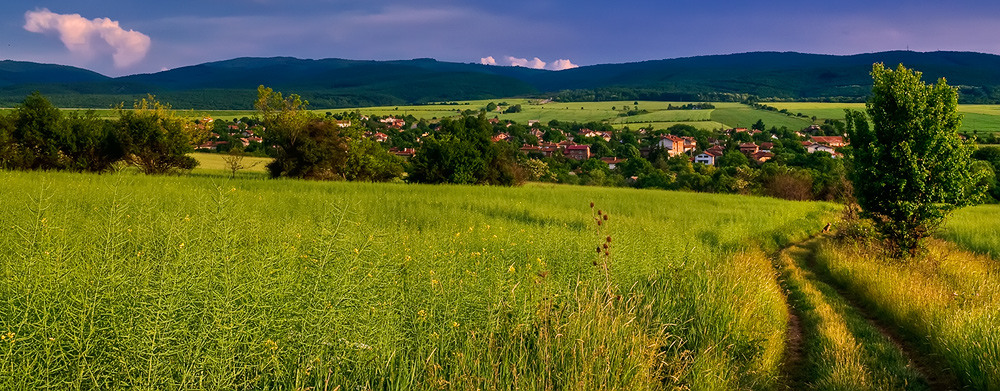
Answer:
(88, 37)
(535, 63)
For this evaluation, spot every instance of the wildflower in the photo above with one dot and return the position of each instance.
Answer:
(511, 268)
(605, 217)
(454, 324)
(591, 205)
(609, 239)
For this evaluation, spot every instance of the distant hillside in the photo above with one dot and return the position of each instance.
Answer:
(21, 72)
(332, 83)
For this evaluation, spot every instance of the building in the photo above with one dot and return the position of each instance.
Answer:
(577, 152)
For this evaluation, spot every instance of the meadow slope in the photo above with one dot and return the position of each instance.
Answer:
(125, 281)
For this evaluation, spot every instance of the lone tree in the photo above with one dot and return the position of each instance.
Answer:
(911, 169)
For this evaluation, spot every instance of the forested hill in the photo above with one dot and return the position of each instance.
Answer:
(331, 83)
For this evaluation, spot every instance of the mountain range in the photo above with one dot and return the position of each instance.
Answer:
(335, 83)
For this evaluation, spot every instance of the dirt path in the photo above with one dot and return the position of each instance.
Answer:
(800, 373)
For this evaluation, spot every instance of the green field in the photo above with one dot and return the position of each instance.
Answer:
(125, 281)
(215, 164)
(984, 118)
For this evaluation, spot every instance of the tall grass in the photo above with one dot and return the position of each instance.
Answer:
(975, 228)
(123, 281)
(842, 350)
(948, 300)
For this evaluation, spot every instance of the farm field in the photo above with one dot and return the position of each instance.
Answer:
(214, 164)
(127, 281)
(984, 118)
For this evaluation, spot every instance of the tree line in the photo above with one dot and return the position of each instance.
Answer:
(38, 136)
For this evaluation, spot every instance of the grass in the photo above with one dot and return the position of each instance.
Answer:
(984, 118)
(842, 350)
(126, 281)
(947, 301)
(215, 164)
(975, 228)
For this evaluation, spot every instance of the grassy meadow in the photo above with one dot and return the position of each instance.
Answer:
(947, 302)
(126, 281)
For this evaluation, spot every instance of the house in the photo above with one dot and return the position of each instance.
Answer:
(817, 147)
(393, 122)
(344, 123)
(749, 149)
(762, 156)
(501, 137)
(612, 161)
(689, 143)
(380, 137)
(404, 153)
(538, 133)
(577, 152)
(708, 156)
(766, 147)
(211, 145)
(532, 122)
(833, 141)
(673, 144)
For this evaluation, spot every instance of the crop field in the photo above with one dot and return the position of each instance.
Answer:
(125, 281)
(984, 118)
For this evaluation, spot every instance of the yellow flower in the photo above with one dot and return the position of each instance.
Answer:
(454, 324)
(511, 268)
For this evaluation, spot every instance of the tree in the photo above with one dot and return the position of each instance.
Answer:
(154, 139)
(462, 153)
(234, 161)
(41, 135)
(910, 168)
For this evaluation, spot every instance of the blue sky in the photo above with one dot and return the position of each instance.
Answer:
(126, 37)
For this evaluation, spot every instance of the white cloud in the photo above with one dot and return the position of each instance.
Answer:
(559, 65)
(84, 37)
(534, 63)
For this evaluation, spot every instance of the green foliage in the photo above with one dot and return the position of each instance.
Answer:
(154, 139)
(367, 161)
(910, 167)
(41, 135)
(462, 153)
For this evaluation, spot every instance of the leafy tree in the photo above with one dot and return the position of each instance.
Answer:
(154, 139)
(462, 152)
(911, 169)
(41, 135)
(305, 146)
(759, 125)
(732, 158)
(367, 161)
(990, 155)
(96, 146)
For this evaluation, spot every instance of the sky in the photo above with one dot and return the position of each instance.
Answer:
(118, 38)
